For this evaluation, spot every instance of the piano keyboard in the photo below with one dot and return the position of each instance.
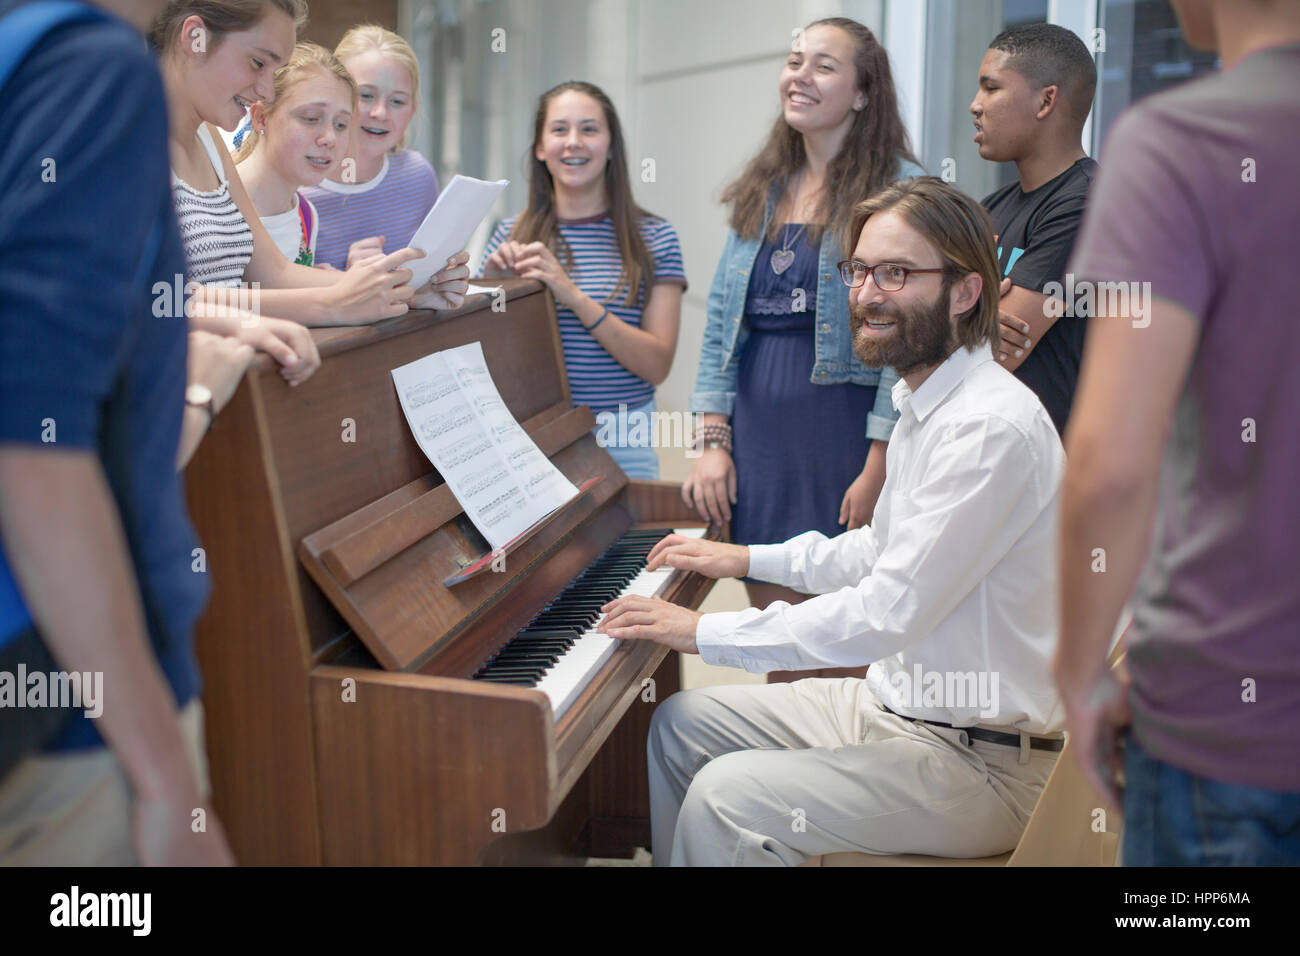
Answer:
(559, 651)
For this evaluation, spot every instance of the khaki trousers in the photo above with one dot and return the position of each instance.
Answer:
(74, 808)
(776, 774)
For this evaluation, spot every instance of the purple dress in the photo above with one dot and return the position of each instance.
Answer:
(798, 446)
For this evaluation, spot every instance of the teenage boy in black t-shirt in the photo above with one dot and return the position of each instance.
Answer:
(1036, 84)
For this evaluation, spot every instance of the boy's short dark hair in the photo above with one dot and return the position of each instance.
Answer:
(1049, 55)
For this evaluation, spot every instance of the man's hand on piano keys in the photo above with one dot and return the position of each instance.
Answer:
(713, 559)
(636, 618)
(446, 290)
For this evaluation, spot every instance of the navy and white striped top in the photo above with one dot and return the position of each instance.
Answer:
(596, 379)
(217, 239)
(392, 205)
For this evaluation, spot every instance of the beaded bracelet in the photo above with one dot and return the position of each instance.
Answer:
(592, 327)
(716, 436)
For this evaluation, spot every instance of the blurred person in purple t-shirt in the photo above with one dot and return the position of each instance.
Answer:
(1184, 453)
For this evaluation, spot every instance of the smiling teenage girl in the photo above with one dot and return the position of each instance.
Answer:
(614, 269)
(293, 141)
(810, 421)
(376, 200)
(218, 57)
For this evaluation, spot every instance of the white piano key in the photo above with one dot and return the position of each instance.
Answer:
(569, 676)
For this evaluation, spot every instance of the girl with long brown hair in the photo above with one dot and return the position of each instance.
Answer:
(794, 426)
(615, 270)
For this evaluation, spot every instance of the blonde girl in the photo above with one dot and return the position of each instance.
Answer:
(218, 58)
(293, 141)
(374, 201)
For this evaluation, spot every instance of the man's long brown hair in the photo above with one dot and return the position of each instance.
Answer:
(961, 232)
(539, 222)
(867, 160)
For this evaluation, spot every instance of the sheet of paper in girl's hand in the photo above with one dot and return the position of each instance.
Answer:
(451, 222)
(497, 473)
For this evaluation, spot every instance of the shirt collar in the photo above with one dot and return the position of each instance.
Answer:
(935, 389)
(337, 187)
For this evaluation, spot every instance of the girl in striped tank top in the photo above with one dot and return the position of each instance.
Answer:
(614, 269)
(218, 57)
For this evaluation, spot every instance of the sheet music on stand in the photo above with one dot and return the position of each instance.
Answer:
(497, 473)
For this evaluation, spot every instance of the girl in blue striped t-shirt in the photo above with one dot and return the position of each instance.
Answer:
(614, 269)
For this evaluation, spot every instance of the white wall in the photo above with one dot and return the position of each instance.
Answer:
(694, 82)
(704, 98)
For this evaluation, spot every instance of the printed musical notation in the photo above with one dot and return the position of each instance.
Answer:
(497, 473)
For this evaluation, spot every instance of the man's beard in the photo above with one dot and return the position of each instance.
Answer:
(922, 335)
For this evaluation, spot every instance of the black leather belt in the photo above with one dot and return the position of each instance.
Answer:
(992, 736)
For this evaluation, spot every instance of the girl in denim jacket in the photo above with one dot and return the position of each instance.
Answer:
(794, 426)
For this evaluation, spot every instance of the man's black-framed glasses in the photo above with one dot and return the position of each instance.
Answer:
(888, 276)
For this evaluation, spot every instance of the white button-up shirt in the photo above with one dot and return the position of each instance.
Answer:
(951, 593)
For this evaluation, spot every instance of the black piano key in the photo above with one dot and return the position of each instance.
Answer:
(522, 681)
(522, 651)
(521, 665)
(511, 656)
(532, 640)
(528, 654)
(570, 632)
(556, 614)
(580, 619)
(526, 658)
(566, 616)
(536, 673)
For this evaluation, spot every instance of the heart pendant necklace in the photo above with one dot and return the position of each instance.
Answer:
(783, 258)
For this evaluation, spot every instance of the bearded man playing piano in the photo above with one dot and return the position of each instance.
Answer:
(949, 594)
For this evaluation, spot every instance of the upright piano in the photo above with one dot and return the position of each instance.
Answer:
(360, 708)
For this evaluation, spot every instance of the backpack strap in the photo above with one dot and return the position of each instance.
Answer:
(307, 214)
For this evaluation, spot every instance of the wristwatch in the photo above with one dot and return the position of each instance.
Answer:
(200, 396)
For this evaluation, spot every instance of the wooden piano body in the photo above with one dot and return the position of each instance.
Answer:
(342, 727)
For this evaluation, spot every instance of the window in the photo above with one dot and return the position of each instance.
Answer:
(1144, 54)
